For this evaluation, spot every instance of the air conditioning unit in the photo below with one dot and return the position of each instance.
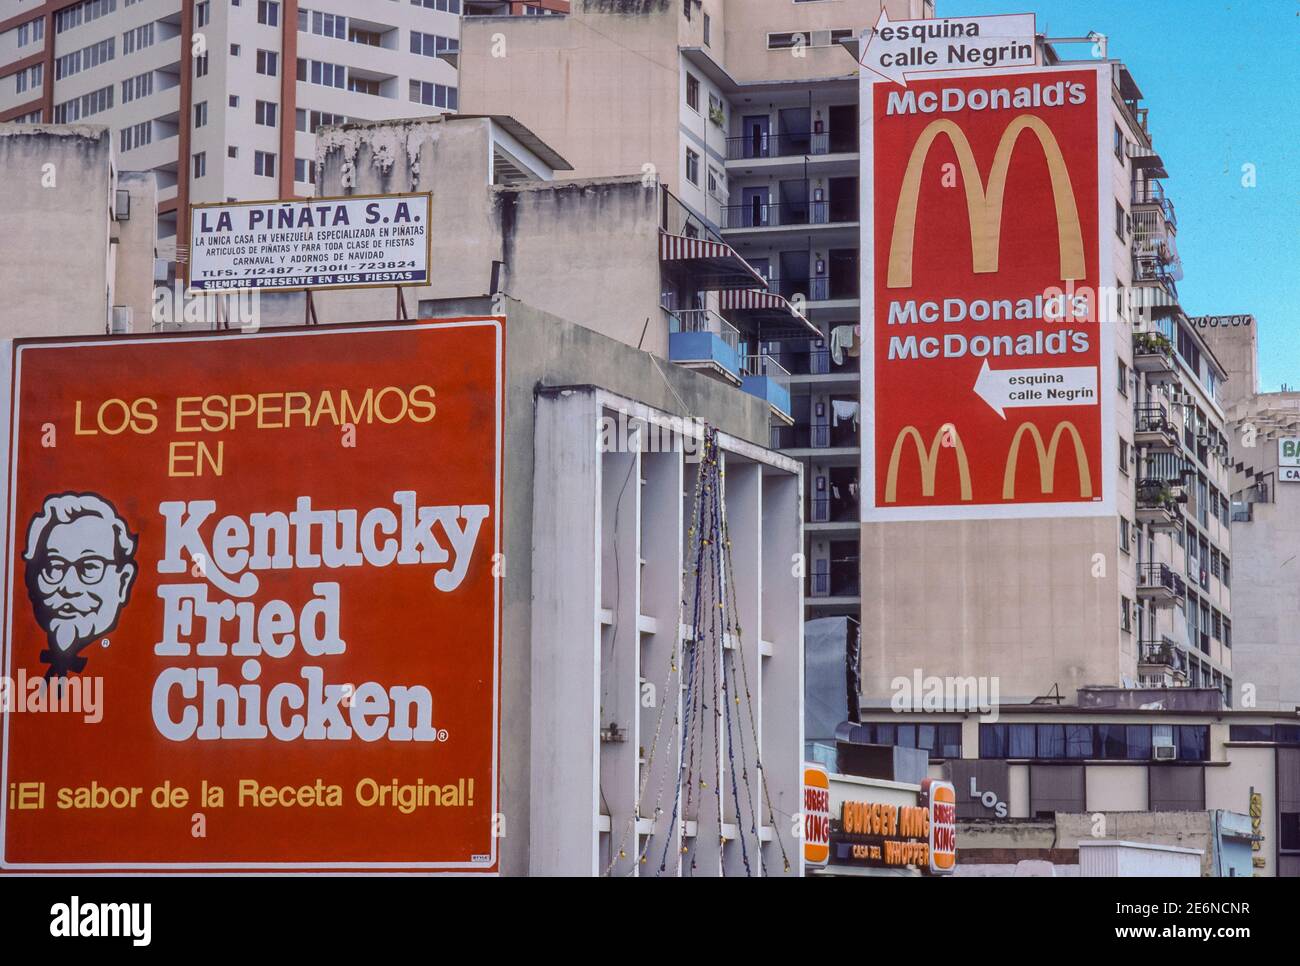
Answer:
(120, 321)
(122, 205)
(1163, 748)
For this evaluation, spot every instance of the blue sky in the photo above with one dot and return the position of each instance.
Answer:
(1222, 81)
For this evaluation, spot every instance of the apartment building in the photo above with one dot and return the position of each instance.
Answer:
(1033, 781)
(1265, 450)
(1053, 604)
(221, 99)
(747, 112)
(515, 8)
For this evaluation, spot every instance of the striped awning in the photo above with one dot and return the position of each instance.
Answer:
(762, 306)
(708, 264)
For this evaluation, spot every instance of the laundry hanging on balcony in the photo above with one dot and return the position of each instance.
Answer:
(844, 410)
(844, 338)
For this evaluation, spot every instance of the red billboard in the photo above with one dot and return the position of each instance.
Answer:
(986, 370)
(253, 602)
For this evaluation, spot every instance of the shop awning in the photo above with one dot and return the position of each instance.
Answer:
(767, 308)
(707, 264)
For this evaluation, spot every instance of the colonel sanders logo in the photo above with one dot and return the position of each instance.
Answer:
(80, 560)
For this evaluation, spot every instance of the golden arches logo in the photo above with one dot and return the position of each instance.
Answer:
(984, 202)
(1046, 459)
(929, 461)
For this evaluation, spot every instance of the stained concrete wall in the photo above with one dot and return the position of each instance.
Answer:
(545, 351)
(55, 213)
(600, 85)
(1013, 598)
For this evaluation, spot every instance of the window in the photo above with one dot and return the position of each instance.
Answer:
(137, 135)
(84, 106)
(319, 72)
(201, 66)
(325, 24)
(200, 164)
(232, 151)
(234, 50)
(1123, 455)
(264, 164)
(268, 12)
(137, 39)
(82, 13)
(363, 85)
(716, 182)
(1126, 615)
(264, 113)
(31, 31)
(433, 45)
(1123, 378)
(200, 113)
(234, 100)
(434, 95)
(1124, 534)
(1226, 568)
(310, 121)
(940, 740)
(202, 14)
(1051, 741)
(84, 59)
(693, 92)
(1119, 220)
(707, 30)
(1079, 741)
(268, 63)
(692, 167)
(1119, 144)
(450, 6)
(304, 171)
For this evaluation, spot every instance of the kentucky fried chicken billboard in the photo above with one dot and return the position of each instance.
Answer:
(272, 562)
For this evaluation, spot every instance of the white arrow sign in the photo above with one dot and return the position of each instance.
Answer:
(893, 50)
(1019, 388)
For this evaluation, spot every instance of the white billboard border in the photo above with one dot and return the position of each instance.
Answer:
(278, 202)
(10, 376)
(871, 513)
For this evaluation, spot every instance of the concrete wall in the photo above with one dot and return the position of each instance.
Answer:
(137, 242)
(600, 86)
(56, 197)
(544, 351)
(1011, 598)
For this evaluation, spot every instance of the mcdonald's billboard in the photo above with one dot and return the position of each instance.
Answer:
(987, 373)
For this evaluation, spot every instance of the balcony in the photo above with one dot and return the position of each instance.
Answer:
(764, 377)
(818, 288)
(694, 256)
(1153, 355)
(837, 577)
(776, 214)
(1153, 430)
(1145, 158)
(1158, 507)
(1159, 585)
(759, 145)
(702, 339)
(1153, 193)
(1164, 654)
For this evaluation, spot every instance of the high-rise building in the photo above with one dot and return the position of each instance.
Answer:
(222, 100)
(1051, 602)
(747, 110)
(1265, 452)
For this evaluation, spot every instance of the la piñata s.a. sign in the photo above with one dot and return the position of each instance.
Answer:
(273, 561)
(321, 243)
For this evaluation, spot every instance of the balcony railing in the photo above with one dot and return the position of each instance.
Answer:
(778, 145)
(1153, 193)
(1160, 576)
(1151, 419)
(817, 288)
(763, 376)
(1164, 652)
(705, 320)
(776, 214)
